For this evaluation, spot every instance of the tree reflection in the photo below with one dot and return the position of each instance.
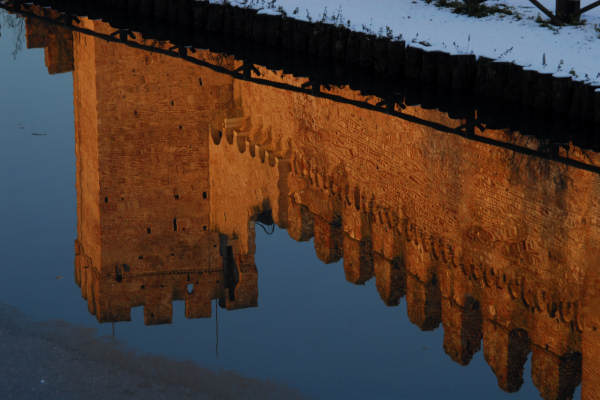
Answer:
(16, 26)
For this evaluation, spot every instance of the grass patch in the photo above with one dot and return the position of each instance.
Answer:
(473, 8)
(546, 23)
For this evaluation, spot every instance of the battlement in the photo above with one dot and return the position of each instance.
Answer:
(112, 296)
(356, 226)
(260, 171)
(444, 282)
(56, 41)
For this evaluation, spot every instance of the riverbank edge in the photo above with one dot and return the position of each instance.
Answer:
(505, 84)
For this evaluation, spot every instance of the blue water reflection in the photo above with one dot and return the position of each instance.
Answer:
(311, 330)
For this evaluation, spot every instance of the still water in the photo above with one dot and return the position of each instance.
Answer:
(331, 249)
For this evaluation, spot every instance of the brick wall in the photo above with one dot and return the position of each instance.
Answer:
(493, 244)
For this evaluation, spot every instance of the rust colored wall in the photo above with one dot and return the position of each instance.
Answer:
(143, 182)
(493, 245)
(500, 233)
(57, 41)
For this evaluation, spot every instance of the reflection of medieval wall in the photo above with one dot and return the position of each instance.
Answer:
(263, 189)
(492, 244)
(143, 191)
(57, 42)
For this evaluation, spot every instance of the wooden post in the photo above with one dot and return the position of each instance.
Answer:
(568, 10)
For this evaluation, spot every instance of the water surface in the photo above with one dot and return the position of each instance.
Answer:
(340, 251)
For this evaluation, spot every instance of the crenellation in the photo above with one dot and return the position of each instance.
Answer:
(58, 55)
(244, 293)
(423, 303)
(57, 41)
(328, 239)
(265, 183)
(158, 307)
(358, 260)
(462, 329)
(36, 33)
(300, 222)
(390, 279)
(198, 300)
(556, 377)
(506, 352)
(429, 250)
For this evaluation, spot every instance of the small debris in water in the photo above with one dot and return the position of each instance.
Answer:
(39, 134)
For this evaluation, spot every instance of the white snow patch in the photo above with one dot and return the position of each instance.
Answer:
(571, 50)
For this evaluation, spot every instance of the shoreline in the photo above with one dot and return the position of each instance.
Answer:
(338, 55)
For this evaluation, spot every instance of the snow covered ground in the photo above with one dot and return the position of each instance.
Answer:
(568, 50)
